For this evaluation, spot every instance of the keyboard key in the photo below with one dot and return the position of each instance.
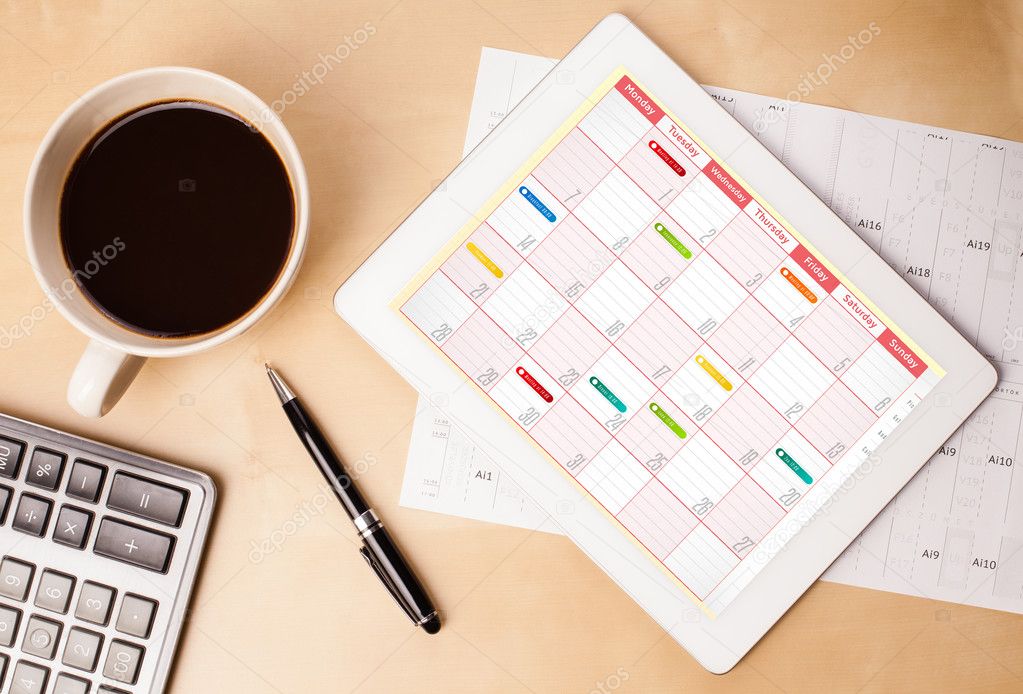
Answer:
(82, 649)
(66, 684)
(94, 603)
(72, 527)
(9, 618)
(45, 468)
(33, 515)
(106, 689)
(54, 591)
(136, 616)
(3, 668)
(41, 637)
(147, 499)
(29, 678)
(11, 452)
(134, 545)
(86, 480)
(6, 493)
(15, 578)
(123, 662)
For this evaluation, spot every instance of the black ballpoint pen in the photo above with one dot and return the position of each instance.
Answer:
(377, 548)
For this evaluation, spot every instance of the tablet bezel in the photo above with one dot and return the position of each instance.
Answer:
(364, 299)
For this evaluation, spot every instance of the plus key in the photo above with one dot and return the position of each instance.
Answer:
(134, 545)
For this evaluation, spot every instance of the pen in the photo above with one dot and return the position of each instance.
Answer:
(377, 549)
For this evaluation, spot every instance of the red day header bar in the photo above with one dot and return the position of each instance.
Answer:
(727, 184)
(898, 349)
(638, 98)
(815, 268)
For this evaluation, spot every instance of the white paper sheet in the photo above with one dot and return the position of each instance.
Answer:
(945, 209)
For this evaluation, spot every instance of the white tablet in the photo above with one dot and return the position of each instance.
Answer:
(667, 341)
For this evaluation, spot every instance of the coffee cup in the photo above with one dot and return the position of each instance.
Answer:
(115, 351)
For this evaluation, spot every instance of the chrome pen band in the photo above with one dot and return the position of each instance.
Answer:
(426, 619)
(366, 523)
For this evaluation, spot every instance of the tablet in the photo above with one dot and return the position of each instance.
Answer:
(683, 356)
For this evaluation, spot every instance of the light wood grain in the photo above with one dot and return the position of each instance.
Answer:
(525, 612)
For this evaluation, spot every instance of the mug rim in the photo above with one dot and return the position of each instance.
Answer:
(160, 347)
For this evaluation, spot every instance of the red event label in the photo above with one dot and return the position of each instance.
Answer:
(727, 184)
(667, 158)
(534, 384)
(815, 268)
(638, 98)
(898, 349)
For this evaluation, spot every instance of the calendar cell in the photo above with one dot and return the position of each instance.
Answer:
(614, 125)
(527, 216)
(656, 433)
(791, 467)
(703, 210)
(525, 306)
(658, 342)
(749, 336)
(569, 348)
(746, 427)
(658, 167)
(833, 336)
(615, 300)
(781, 296)
(481, 264)
(517, 393)
(482, 349)
(573, 168)
(616, 211)
(570, 435)
(700, 475)
(877, 378)
(572, 259)
(744, 516)
(660, 253)
(697, 389)
(438, 308)
(792, 380)
(613, 390)
(746, 252)
(703, 559)
(704, 295)
(836, 422)
(614, 477)
(657, 519)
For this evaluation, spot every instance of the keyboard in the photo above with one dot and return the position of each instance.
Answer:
(99, 549)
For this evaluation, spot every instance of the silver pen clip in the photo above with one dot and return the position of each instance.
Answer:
(406, 608)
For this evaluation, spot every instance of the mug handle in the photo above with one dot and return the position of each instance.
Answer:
(100, 378)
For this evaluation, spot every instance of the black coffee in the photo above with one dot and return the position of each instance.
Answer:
(177, 218)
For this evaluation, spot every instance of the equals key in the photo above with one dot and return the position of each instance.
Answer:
(147, 499)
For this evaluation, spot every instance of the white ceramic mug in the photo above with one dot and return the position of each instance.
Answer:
(115, 354)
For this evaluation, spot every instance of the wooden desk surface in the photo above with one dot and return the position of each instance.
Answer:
(524, 611)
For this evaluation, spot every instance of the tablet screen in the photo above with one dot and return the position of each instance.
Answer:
(669, 341)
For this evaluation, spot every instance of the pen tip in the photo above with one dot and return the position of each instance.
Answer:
(283, 391)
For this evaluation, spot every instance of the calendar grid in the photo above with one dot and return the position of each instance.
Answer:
(744, 472)
(650, 442)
